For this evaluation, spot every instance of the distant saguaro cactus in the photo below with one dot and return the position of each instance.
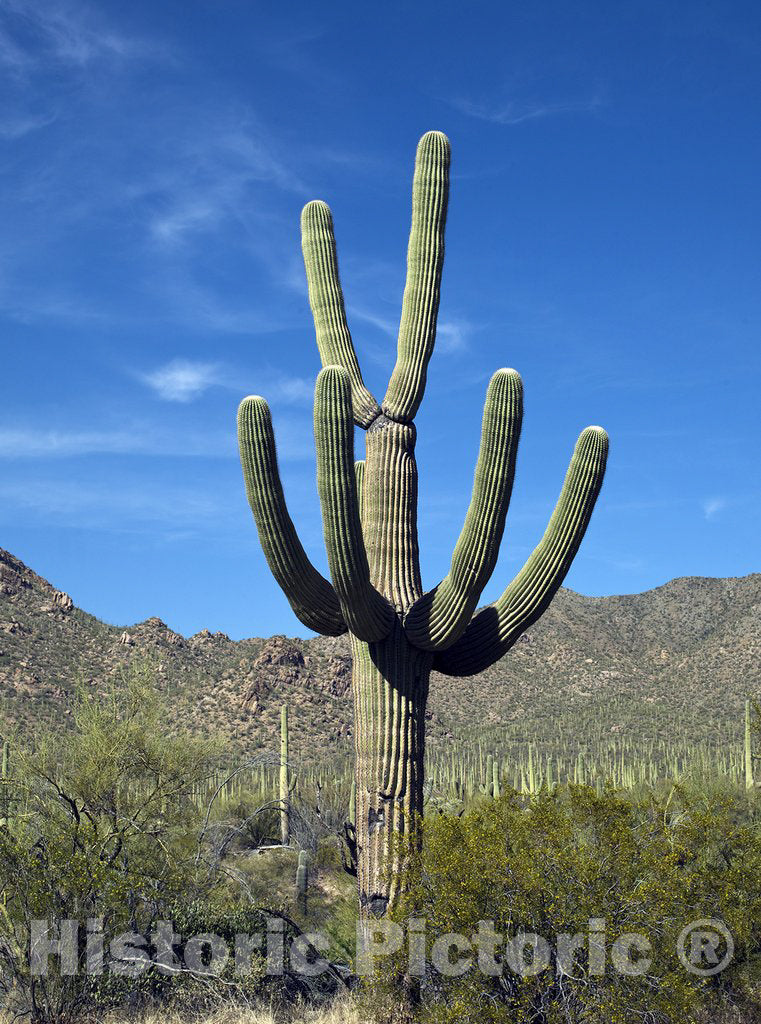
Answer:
(302, 880)
(5, 776)
(369, 509)
(285, 789)
(749, 779)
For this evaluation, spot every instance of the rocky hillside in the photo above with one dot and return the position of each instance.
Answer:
(677, 662)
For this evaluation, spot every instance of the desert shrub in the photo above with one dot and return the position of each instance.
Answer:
(110, 828)
(247, 822)
(328, 855)
(600, 867)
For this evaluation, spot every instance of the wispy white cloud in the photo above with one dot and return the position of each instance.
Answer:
(112, 508)
(451, 335)
(208, 183)
(141, 439)
(713, 506)
(12, 56)
(384, 324)
(515, 112)
(182, 380)
(191, 216)
(291, 389)
(214, 165)
(28, 302)
(17, 126)
(33, 33)
(294, 437)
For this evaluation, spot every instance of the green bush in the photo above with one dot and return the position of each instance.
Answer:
(106, 825)
(649, 866)
(119, 823)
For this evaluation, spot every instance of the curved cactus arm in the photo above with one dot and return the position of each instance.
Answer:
(367, 613)
(494, 629)
(425, 259)
(334, 342)
(309, 594)
(441, 616)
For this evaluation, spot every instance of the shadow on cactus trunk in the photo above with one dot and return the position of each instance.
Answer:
(369, 510)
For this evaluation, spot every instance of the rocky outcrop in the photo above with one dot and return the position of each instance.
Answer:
(336, 678)
(280, 650)
(12, 581)
(62, 602)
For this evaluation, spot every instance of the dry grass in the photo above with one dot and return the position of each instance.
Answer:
(340, 1012)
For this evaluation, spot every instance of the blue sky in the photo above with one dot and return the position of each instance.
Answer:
(603, 239)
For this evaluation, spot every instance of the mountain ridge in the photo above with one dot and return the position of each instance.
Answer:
(677, 660)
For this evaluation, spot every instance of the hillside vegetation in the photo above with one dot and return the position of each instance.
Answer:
(647, 673)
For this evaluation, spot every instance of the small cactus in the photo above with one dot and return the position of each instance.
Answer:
(302, 881)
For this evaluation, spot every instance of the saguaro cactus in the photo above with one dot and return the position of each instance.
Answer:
(285, 790)
(369, 508)
(749, 781)
(5, 775)
(302, 881)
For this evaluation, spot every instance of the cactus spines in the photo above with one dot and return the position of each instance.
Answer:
(398, 633)
(285, 791)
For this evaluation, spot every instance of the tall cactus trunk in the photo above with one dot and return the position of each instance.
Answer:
(369, 512)
(390, 683)
(389, 676)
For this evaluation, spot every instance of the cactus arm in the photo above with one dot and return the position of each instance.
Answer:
(494, 629)
(359, 480)
(309, 594)
(441, 616)
(334, 342)
(425, 259)
(366, 612)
